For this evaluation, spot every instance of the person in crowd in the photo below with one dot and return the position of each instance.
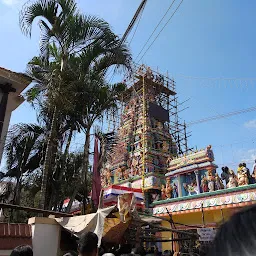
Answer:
(22, 250)
(88, 244)
(138, 251)
(237, 236)
(247, 173)
(254, 172)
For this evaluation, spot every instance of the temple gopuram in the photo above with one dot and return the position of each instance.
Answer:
(144, 141)
(178, 185)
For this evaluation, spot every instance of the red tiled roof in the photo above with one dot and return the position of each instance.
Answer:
(12, 235)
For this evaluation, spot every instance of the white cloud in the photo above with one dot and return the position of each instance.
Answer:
(244, 156)
(250, 124)
(250, 155)
(10, 2)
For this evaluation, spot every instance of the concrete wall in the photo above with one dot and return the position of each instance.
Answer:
(45, 236)
(13, 235)
(5, 252)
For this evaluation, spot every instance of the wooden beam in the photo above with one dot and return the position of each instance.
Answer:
(30, 209)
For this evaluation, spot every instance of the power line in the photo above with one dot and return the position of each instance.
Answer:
(141, 13)
(161, 30)
(220, 116)
(155, 29)
(217, 78)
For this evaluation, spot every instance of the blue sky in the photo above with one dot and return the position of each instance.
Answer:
(204, 40)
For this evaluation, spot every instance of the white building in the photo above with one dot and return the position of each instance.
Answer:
(11, 86)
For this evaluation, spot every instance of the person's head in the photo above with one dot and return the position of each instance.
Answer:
(244, 164)
(22, 250)
(70, 254)
(226, 169)
(237, 236)
(240, 165)
(88, 244)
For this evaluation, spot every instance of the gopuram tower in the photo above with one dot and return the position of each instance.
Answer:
(146, 137)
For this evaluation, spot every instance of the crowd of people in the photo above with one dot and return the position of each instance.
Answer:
(243, 176)
(235, 237)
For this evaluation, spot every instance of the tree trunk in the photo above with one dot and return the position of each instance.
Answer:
(71, 200)
(47, 161)
(65, 155)
(84, 173)
(86, 165)
(62, 169)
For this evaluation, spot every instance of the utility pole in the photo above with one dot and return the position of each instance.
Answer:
(135, 17)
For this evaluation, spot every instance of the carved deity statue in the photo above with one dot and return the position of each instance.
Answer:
(232, 183)
(165, 146)
(204, 184)
(168, 188)
(163, 195)
(254, 174)
(218, 182)
(108, 177)
(168, 161)
(211, 180)
(209, 152)
(175, 191)
(119, 173)
(242, 176)
(125, 173)
(191, 188)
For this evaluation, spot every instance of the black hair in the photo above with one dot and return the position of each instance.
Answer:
(244, 164)
(240, 165)
(22, 250)
(237, 236)
(88, 243)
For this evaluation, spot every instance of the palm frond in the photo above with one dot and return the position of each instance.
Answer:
(40, 8)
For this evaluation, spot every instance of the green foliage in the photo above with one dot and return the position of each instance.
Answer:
(69, 92)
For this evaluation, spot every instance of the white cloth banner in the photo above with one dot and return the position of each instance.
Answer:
(93, 222)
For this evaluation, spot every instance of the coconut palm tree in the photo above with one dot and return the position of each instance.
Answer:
(74, 35)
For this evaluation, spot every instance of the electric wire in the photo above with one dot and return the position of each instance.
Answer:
(220, 116)
(161, 30)
(155, 28)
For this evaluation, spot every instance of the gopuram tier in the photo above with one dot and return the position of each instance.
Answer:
(147, 137)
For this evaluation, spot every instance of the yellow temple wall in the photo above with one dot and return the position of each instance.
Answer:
(211, 217)
(167, 235)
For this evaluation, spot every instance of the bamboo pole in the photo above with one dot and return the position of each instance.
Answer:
(144, 133)
(169, 229)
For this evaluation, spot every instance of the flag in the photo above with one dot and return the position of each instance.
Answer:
(96, 180)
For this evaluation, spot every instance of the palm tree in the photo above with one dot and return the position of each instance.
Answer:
(95, 97)
(24, 153)
(74, 35)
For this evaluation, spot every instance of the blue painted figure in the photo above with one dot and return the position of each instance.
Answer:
(174, 191)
